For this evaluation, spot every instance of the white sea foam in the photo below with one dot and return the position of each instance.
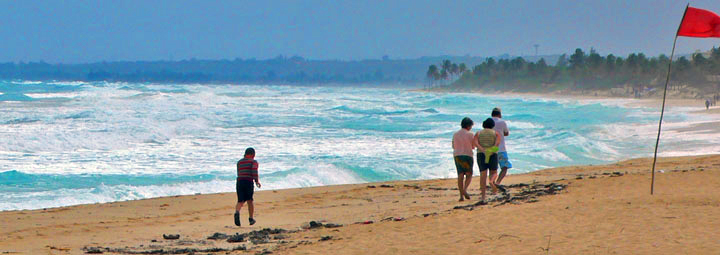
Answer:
(27, 82)
(304, 136)
(68, 83)
(523, 125)
(53, 95)
(105, 193)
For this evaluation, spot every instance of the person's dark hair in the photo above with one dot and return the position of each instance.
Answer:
(495, 113)
(466, 122)
(249, 151)
(489, 123)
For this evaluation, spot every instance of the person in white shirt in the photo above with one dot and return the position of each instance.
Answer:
(463, 143)
(501, 128)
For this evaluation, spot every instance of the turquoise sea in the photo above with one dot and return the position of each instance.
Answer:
(77, 143)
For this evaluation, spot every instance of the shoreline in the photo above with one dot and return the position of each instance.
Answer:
(679, 100)
(691, 106)
(710, 126)
(409, 207)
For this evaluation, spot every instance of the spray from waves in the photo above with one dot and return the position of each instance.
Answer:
(53, 190)
(524, 117)
(109, 124)
(155, 89)
(34, 91)
(27, 82)
(304, 137)
(380, 111)
(47, 182)
(344, 108)
(23, 88)
(99, 136)
(380, 125)
(106, 193)
(524, 125)
(342, 171)
(558, 147)
(20, 121)
(430, 110)
(79, 115)
(317, 175)
(17, 97)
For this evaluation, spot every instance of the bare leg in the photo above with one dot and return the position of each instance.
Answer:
(468, 179)
(483, 179)
(239, 206)
(251, 208)
(236, 215)
(502, 175)
(461, 185)
(493, 179)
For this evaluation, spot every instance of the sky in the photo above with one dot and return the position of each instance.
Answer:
(118, 30)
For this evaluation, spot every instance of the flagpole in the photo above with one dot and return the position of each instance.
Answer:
(662, 111)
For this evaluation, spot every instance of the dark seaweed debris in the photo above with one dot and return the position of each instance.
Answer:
(171, 236)
(527, 194)
(160, 251)
(218, 236)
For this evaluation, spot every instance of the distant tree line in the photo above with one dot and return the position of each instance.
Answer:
(581, 71)
(279, 70)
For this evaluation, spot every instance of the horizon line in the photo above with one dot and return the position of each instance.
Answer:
(286, 57)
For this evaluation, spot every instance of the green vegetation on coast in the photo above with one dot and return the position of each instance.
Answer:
(635, 74)
(293, 70)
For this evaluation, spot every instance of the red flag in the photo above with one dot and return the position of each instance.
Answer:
(699, 23)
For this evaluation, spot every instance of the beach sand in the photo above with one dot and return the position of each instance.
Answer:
(604, 209)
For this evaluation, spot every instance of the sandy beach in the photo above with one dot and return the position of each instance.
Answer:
(605, 209)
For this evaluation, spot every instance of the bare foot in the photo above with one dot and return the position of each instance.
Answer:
(494, 188)
(461, 199)
(467, 196)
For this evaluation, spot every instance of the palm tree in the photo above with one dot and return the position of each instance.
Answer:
(444, 74)
(462, 68)
(446, 67)
(454, 70)
(432, 74)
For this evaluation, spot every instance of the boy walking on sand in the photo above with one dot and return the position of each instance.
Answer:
(502, 129)
(463, 144)
(247, 172)
(487, 143)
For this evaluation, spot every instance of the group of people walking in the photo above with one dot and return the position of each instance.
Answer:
(491, 153)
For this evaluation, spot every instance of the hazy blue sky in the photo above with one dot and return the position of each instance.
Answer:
(87, 31)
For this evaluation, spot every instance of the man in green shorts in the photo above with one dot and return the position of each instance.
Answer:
(463, 144)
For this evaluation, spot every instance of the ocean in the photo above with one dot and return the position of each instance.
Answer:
(79, 143)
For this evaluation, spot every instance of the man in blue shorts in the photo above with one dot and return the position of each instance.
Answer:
(502, 129)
